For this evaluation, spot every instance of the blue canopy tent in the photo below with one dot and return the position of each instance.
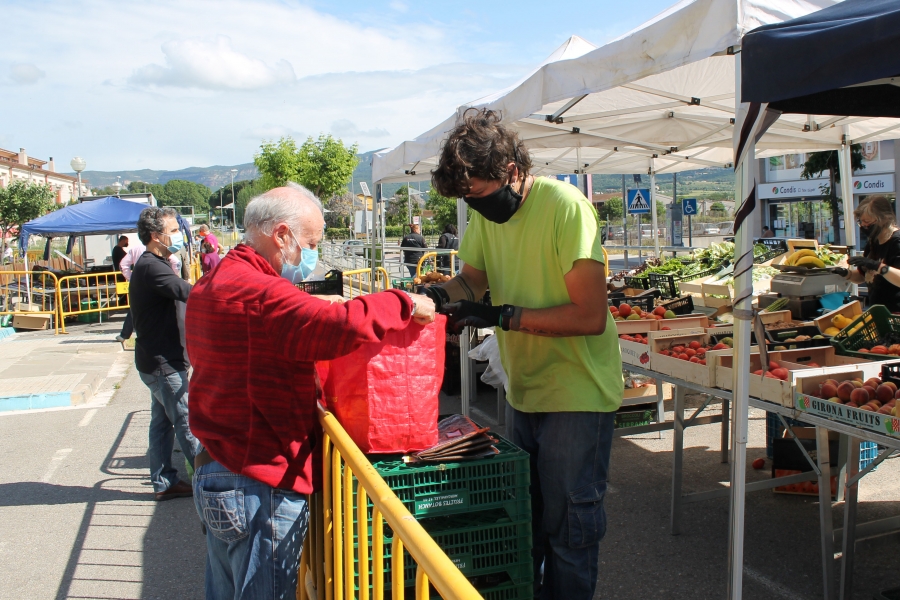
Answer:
(835, 66)
(108, 215)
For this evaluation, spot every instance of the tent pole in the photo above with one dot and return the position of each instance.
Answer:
(654, 218)
(845, 166)
(743, 315)
(465, 363)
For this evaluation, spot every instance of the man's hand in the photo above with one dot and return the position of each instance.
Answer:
(867, 264)
(424, 309)
(464, 314)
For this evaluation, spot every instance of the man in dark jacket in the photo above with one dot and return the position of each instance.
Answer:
(413, 239)
(159, 354)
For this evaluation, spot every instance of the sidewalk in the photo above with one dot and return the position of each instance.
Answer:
(40, 370)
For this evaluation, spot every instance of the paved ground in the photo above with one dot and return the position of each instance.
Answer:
(78, 519)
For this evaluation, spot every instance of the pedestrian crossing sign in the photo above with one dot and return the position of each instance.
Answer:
(639, 201)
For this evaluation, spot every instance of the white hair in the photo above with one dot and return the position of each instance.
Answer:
(270, 208)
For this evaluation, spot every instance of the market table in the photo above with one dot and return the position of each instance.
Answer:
(851, 531)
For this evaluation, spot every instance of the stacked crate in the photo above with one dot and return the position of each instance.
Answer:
(477, 511)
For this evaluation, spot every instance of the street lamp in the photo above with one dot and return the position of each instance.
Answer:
(78, 165)
(233, 201)
(118, 185)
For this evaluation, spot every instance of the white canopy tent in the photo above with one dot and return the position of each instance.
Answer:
(661, 98)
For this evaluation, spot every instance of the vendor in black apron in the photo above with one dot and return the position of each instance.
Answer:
(879, 265)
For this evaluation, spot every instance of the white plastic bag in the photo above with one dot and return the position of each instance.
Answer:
(489, 350)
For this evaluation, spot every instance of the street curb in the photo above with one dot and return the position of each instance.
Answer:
(6, 332)
(80, 395)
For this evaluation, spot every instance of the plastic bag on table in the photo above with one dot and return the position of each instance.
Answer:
(489, 350)
(385, 395)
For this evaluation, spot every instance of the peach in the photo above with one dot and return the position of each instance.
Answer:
(873, 382)
(869, 389)
(829, 390)
(867, 407)
(845, 389)
(859, 396)
(833, 382)
(884, 393)
(891, 385)
(857, 383)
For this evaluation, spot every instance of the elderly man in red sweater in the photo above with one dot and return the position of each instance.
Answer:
(253, 338)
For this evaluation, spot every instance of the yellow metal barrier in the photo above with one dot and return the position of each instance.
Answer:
(360, 281)
(196, 271)
(29, 293)
(101, 291)
(327, 562)
(433, 255)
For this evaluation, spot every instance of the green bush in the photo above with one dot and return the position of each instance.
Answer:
(337, 233)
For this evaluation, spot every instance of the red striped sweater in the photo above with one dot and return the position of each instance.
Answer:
(252, 339)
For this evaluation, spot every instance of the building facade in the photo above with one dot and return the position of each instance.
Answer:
(19, 166)
(795, 207)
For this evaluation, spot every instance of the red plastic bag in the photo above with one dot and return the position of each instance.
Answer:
(386, 395)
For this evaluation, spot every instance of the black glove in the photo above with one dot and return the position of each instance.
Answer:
(438, 295)
(864, 264)
(464, 314)
(840, 271)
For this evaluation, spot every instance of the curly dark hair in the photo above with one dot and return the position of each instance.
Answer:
(478, 147)
(152, 220)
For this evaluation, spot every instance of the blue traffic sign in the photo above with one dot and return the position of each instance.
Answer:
(689, 206)
(639, 201)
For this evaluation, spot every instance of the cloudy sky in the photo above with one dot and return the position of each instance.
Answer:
(172, 84)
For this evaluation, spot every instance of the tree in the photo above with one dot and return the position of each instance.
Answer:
(717, 207)
(398, 208)
(443, 209)
(247, 193)
(324, 165)
(818, 162)
(179, 192)
(20, 202)
(222, 196)
(341, 210)
(612, 209)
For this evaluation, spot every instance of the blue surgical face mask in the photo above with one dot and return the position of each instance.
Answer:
(177, 243)
(296, 273)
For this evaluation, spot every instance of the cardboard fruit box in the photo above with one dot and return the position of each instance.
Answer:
(704, 375)
(806, 399)
(638, 395)
(851, 310)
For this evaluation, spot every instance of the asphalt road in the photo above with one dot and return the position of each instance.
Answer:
(78, 519)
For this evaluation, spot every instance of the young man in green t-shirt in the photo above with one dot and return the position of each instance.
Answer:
(537, 242)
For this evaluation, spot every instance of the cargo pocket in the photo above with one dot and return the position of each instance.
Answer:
(223, 513)
(586, 515)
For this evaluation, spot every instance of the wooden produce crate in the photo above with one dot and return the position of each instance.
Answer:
(851, 310)
(640, 395)
(806, 400)
(764, 388)
(686, 322)
(634, 353)
(800, 244)
(710, 289)
(830, 361)
(704, 375)
(637, 326)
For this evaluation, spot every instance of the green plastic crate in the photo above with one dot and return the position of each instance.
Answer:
(404, 283)
(486, 547)
(499, 481)
(636, 415)
(877, 322)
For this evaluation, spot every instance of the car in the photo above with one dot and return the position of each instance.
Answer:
(725, 228)
(711, 230)
(353, 247)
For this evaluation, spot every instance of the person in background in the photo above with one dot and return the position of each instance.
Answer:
(256, 417)
(447, 241)
(767, 233)
(119, 252)
(209, 258)
(208, 235)
(125, 266)
(879, 265)
(537, 241)
(159, 354)
(413, 239)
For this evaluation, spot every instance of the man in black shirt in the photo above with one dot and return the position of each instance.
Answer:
(159, 353)
(119, 252)
(411, 258)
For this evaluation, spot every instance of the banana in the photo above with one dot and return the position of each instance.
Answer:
(796, 256)
(810, 262)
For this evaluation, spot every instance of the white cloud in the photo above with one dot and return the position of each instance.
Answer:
(399, 6)
(344, 128)
(212, 64)
(25, 73)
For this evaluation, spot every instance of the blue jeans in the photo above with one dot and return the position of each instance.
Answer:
(168, 420)
(254, 535)
(569, 469)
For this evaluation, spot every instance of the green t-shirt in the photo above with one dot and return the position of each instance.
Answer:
(526, 260)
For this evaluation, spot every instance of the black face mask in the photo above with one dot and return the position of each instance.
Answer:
(499, 206)
(871, 232)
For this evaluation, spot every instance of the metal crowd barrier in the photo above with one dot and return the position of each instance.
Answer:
(333, 544)
(360, 280)
(29, 293)
(196, 271)
(433, 256)
(102, 292)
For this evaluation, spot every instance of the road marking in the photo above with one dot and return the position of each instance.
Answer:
(57, 460)
(87, 417)
(774, 587)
